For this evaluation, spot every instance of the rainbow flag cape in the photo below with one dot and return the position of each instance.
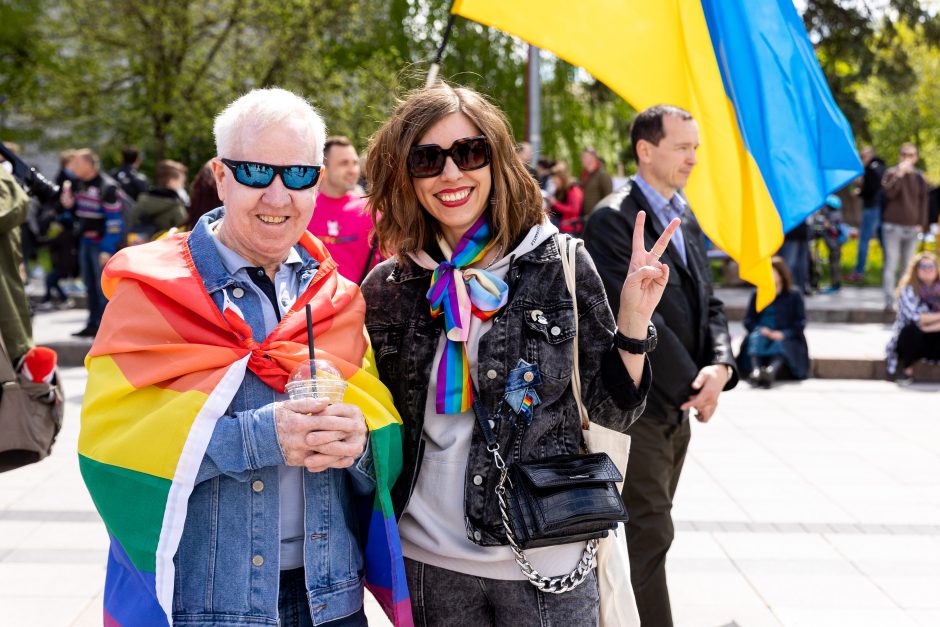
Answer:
(164, 367)
(773, 142)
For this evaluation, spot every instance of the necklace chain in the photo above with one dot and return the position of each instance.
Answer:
(496, 257)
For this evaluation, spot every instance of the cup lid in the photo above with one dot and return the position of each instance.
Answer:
(318, 368)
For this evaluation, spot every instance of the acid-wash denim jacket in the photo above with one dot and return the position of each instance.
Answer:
(536, 325)
(227, 564)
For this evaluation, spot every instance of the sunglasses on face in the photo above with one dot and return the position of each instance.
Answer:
(260, 175)
(926, 266)
(469, 153)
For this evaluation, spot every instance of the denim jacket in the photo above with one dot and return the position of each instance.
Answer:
(537, 324)
(227, 569)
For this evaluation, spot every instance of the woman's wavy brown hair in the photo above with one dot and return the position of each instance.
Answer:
(910, 273)
(405, 226)
(783, 270)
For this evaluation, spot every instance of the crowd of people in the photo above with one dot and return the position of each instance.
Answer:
(97, 213)
(900, 212)
(467, 331)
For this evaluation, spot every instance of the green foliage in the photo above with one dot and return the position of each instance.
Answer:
(106, 73)
(909, 114)
(22, 55)
(861, 50)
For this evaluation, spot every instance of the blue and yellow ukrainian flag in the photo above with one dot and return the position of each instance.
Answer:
(773, 142)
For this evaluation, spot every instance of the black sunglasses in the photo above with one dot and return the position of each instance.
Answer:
(469, 153)
(260, 175)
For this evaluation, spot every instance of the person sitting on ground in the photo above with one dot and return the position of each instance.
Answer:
(565, 204)
(775, 341)
(916, 333)
(161, 208)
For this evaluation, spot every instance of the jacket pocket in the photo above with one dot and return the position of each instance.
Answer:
(386, 345)
(550, 331)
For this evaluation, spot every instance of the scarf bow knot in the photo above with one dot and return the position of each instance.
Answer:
(458, 292)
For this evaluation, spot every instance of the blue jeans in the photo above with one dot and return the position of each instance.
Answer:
(88, 259)
(294, 608)
(871, 219)
(760, 346)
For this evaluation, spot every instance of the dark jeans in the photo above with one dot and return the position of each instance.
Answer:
(657, 452)
(835, 259)
(294, 609)
(53, 289)
(796, 254)
(88, 258)
(441, 597)
(914, 345)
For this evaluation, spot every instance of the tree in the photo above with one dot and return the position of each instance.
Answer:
(858, 42)
(909, 114)
(22, 54)
(154, 74)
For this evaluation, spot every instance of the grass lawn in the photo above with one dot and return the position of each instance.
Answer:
(849, 256)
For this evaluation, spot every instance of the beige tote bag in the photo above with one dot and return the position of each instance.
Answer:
(617, 602)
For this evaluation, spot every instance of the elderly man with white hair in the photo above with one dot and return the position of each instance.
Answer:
(227, 503)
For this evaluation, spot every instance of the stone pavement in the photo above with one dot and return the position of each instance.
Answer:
(810, 504)
(846, 333)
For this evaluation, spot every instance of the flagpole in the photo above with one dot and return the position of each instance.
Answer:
(534, 103)
(436, 66)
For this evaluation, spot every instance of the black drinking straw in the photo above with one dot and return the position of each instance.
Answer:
(313, 369)
(310, 334)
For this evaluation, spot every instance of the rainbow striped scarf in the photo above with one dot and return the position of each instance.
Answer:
(457, 292)
(164, 367)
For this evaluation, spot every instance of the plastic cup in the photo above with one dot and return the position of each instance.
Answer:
(316, 379)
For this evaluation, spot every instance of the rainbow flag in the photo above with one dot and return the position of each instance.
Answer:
(164, 367)
(773, 142)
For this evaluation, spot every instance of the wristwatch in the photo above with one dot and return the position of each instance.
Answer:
(637, 347)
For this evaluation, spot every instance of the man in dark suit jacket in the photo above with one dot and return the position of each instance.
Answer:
(692, 363)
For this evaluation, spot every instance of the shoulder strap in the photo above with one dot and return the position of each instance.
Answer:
(568, 247)
(369, 259)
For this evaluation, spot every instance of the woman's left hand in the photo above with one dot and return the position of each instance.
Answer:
(646, 279)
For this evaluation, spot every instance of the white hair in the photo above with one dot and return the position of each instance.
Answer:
(260, 109)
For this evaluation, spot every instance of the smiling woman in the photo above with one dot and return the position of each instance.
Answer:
(473, 329)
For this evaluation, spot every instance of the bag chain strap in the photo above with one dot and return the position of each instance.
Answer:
(588, 561)
(552, 585)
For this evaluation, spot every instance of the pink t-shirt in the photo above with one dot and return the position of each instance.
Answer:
(344, 225)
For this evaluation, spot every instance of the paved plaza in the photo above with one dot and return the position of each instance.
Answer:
(811, 504)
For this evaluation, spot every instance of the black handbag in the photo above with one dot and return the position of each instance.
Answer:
(563, 499)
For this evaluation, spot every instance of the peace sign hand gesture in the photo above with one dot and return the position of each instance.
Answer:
(645, 282)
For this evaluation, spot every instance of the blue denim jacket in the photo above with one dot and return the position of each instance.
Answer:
(227, 569)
